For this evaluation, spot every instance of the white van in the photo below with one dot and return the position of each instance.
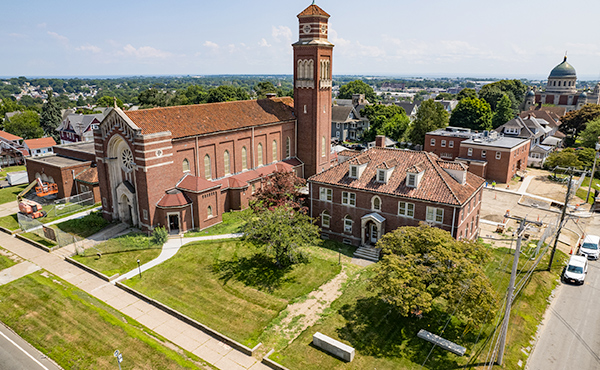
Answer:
(590, 247)
(576, 270)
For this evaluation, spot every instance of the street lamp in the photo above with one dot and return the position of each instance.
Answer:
(139, 268)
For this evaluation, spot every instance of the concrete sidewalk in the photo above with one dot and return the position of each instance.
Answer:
(191, 339)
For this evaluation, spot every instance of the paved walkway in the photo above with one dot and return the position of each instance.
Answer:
(17, 271)
(191, 339)
(169, 250)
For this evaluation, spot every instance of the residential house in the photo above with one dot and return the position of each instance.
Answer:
(410, 108)
(537, 130)
(12, 151)
(347, 123)
(41, 146)
(445, 142)
(78, 127)
(381, 189)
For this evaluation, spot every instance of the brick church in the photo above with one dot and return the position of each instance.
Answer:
(182, 167)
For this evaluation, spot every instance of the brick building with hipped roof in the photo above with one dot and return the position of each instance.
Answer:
(382, 189)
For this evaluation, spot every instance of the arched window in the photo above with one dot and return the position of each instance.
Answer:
(209, 213)
(186, 165)
(348, 224)
(376, 203)
(325, 219)
(323, 146)
(274, 150)
(207, 171)
(259, 155)
(287, 148)
(244, 158)
(226, 162)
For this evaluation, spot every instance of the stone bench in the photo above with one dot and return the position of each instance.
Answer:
(333, 346)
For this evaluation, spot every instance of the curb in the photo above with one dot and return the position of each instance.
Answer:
(34, 243)
(87, 269)
(272, 364)
(9, 232)
(213, 333)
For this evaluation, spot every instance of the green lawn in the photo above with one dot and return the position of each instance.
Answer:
(6, 170)
(5, 262)
(85, 226)
(69, 210)
(225, 285)
(36, 238)
(582, 191)
(9, 194)
(9, 222)
(233, 222)
(78, 331)
(385, 340)
(120, 255)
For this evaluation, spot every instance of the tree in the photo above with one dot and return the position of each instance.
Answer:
(282, 233)
(466, 93)
(422, 266)
(503, 113)
(575, 121)
(445, 96)
(472, 113)
(109, 101)
(514, 89)
(264, 87)
(589, 136)
(8, 105)
(51, 117)
(357, 87)
(384, 120)
(431, 116)
(227, 93)
(281, 188)
(26, 125)
(564, 158)
(492, 96)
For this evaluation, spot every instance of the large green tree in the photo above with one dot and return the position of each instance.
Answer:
(466, 93)
(109, 101)
(424, 266)
(431, 116)
(575, 121)
(25, 125)
(8, 105)
(563, 158)
(472, 113)
(357, 87)
(503, 112)
(514, 89)
(263, 88)
(589, 136)
(282, 233)
(227, 93)
(388, 120)
(51, 117)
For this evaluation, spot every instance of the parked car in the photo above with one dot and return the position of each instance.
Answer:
(576, 270)
(590, 247)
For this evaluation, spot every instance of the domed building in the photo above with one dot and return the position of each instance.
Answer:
(561, 90)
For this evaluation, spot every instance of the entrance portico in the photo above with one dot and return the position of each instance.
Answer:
(372, 228)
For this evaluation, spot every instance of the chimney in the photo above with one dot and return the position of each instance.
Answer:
(271, 95)
(380, 141)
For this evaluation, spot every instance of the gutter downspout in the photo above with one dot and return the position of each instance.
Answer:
(192, 210)
(453, 224)
(310, 193)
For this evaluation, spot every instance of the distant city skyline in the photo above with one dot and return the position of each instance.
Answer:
(434, 38)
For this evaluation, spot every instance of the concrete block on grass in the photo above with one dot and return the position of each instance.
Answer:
(336, 348)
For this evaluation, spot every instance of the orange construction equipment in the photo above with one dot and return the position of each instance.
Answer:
(31, 209)
(46, 189)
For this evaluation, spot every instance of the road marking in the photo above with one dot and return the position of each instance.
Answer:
(25, 352)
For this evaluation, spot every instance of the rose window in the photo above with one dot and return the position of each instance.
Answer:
(127, 159)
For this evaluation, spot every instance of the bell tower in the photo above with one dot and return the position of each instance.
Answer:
(312, 90)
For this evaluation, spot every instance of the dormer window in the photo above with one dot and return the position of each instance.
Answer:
(354, 172)
(411, 180)
(381, 175)
(357, 169)
(414, 175)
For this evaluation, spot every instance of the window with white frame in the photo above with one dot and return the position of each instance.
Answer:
(432, 142)
(411, 180)
(348, 198)
(498, 155)
(483, 153)
(443, 143)
(353, 171)
(347, 224)
(376, 203)
(435, 215)
(287, 148)
(451, 144)
(326, 194)
(470, 152)
(406, 209)
(209, 212)
(145, 214)
(325, 219)
(380, 175)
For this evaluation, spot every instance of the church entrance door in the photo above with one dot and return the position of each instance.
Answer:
(174, 224)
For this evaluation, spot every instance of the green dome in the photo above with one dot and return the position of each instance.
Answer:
(564, 69)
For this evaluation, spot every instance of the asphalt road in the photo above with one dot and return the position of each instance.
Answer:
(17, 354)
(570, 335)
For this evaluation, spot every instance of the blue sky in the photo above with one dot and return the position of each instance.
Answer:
(478, 38)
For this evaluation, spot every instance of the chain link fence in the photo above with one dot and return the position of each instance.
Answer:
(58, 236)
(69, 205)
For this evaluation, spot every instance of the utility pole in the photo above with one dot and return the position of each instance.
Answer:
(587, 198)
(523, 223)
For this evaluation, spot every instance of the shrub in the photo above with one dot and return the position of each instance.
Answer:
(160, 235)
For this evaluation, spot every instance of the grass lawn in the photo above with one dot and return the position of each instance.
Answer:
(9, 222)
(9, 194)
(5, 262)
(36, 238)
(69, 210)
(6, 170)
(385, 340)
(582, 191)
(225, 285)
(120, 255)
(233, 222)
(78, 331)
(85, 226)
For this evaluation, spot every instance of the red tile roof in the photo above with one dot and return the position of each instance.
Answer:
(437, 185)
(313, 10)
(173, 199)
(8, 136)
(191, 120)
(45, 142)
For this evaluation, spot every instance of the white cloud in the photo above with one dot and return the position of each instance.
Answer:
(211, 45)
(60, 38)
(263, 43)
(282, 32)
(145, 52)
(92, 48)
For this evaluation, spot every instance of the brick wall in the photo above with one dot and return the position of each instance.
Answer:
(441, 145)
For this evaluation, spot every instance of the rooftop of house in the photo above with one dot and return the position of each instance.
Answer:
(452, 131)
(192, 120)
(9, 137)
(498, 142)
(82, 146)
(436, 185)
(58, 161)
(44, 142)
